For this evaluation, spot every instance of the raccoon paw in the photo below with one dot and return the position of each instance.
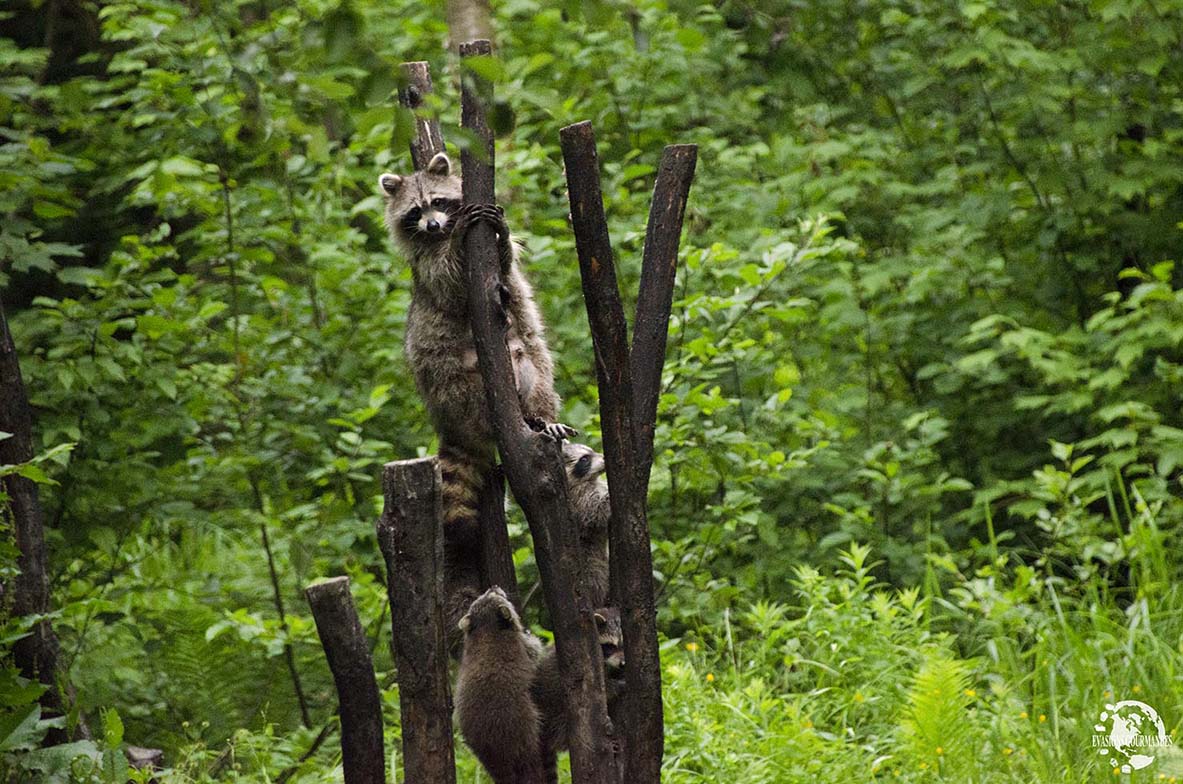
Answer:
(555, 431)
(492, 214)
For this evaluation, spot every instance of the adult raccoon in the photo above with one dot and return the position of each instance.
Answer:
(426, 219)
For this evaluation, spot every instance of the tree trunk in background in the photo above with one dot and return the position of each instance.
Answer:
(36, 655)
(468, 20)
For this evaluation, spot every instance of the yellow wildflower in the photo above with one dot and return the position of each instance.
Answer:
(710, 677)
(692, 646)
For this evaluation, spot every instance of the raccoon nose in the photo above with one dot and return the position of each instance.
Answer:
(433, 225)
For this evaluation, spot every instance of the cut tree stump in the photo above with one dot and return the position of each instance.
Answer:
(348, 651)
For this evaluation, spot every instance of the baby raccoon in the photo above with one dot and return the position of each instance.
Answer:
(590, 511)
(426, 219)
(494, 709)
(550, 697)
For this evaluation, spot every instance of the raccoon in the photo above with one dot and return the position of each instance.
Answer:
(590, 511)
(550, 697)
(426, 219)
(495, 711)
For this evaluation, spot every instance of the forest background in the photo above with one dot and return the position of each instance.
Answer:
(916, 502)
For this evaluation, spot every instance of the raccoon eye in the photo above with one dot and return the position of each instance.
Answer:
(607, 649)
(439, 203)
(582, 464)
(414, 214)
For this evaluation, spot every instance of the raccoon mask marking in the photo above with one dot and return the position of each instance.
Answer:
(421, 207)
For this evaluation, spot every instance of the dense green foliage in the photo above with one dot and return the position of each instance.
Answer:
(916, 504)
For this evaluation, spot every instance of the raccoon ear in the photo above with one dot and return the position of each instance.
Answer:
(505, 612)
(439, 165)
(465, 622)
(601, 621)
(390, 183)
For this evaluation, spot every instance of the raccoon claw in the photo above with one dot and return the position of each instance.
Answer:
(555, 431)
(490, 213)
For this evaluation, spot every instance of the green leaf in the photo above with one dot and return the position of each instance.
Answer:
(21, 730)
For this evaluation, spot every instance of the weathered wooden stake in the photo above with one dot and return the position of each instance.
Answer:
(655, 296)
(628, 427)
(411, 541)
(532, 464)
(496, 554)
(428, 140)
(348, 652)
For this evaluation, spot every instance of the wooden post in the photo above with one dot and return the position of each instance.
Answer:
(496, 558)
(496, 554)
(533, 465)
(656, 294)
(627, 442)
(411, 541)
(36, 655)
(428, 140)
(348, 652)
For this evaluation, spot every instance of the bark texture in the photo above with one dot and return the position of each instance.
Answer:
(36, 655)
(348, 651)
(428, 139)
(496, 554)
(659, 266)
(639, 709)
(411, 541)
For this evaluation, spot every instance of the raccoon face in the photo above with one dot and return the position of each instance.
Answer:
(582, 462)
(421, 207)
(611, 636)
(491, 610)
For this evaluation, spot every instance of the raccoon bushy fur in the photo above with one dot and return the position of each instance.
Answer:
(495, 710)
(426, 219)
(587, 491)
(550, 697)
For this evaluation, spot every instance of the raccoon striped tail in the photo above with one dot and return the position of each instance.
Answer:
(462, 477)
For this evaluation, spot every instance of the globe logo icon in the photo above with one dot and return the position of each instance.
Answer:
(1129, 733)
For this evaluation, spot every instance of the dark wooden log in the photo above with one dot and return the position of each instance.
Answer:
(533, 465)
(411, 541)
(348, 651)
(496, 553)
(428, 139)
(656, 295)
(36, 655)
(631, 563)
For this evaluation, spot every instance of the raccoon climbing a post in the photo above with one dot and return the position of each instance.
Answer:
(629, 380)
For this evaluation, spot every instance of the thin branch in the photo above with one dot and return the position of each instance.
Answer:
(289, 653)
(314, 747)
(656, 295)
